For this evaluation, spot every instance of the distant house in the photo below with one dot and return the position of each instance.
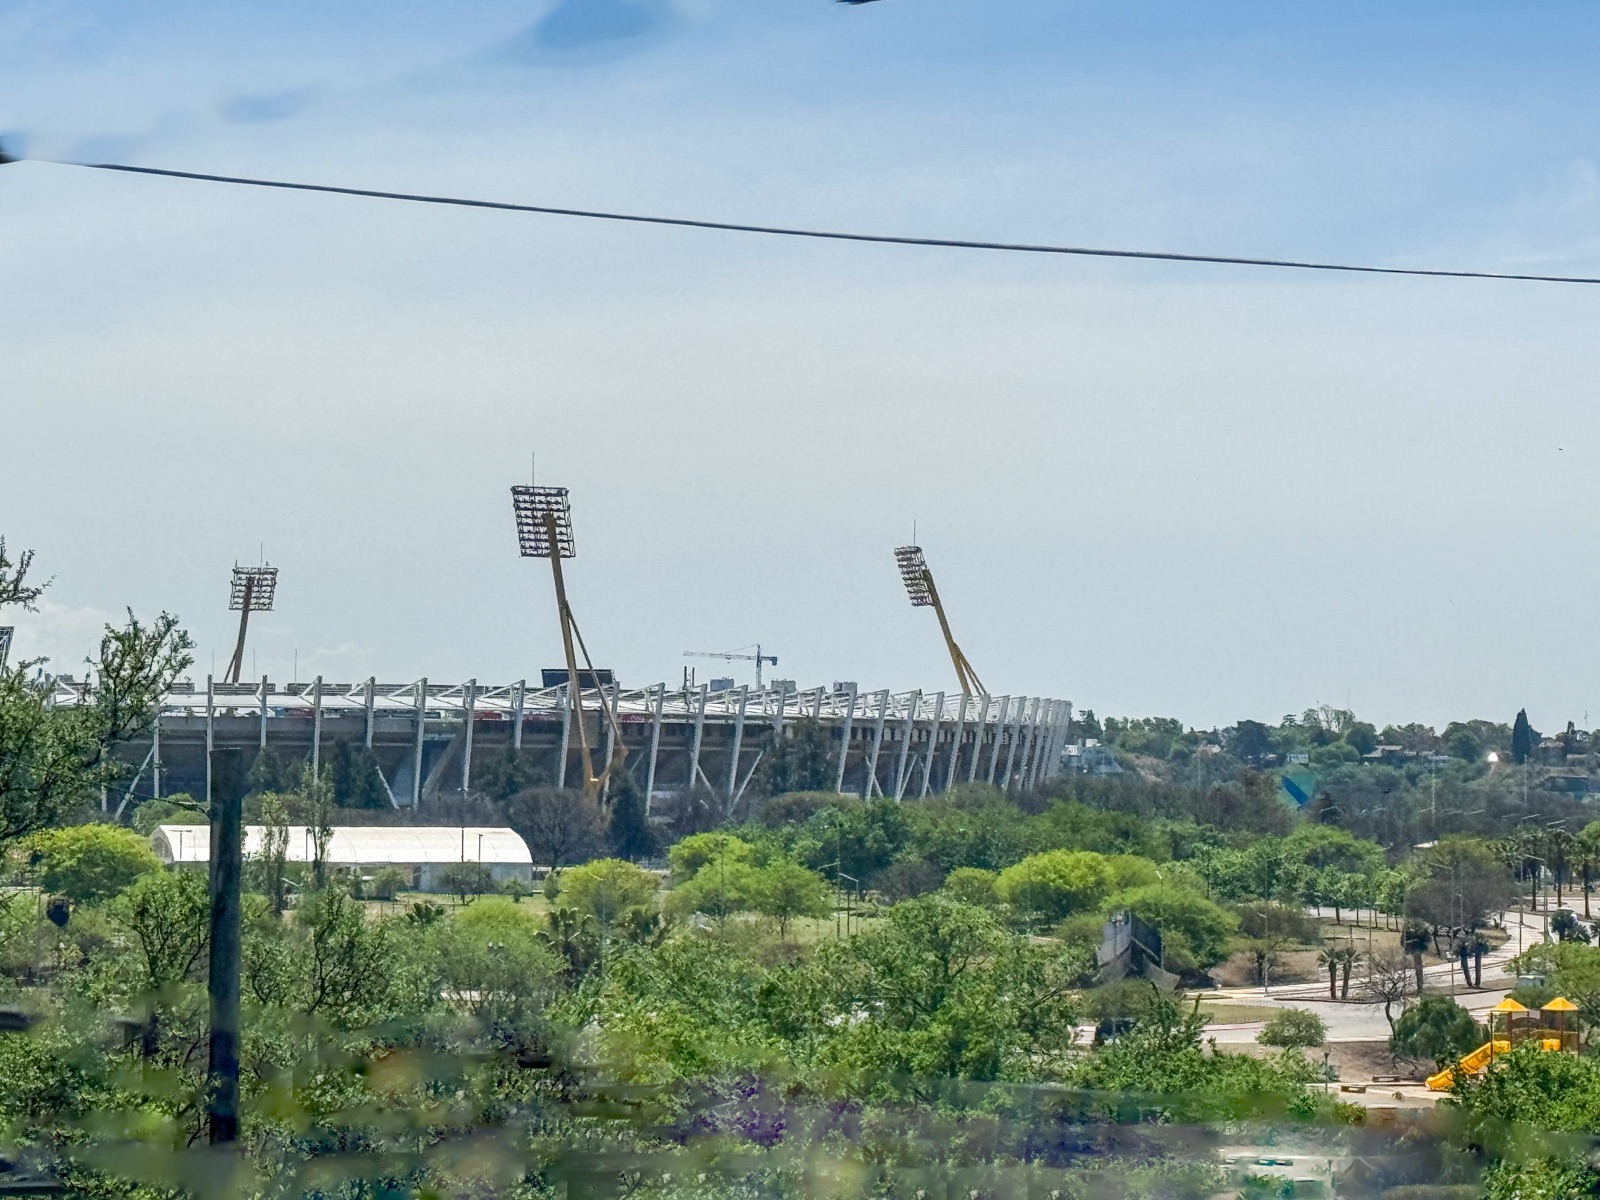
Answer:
(423, 850)
(1090, 758)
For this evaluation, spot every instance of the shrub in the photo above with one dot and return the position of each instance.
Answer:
(389, 882)
(467, 879)
(1436, 1028)
(696, 850)
(1293, 1028)
(907, 878)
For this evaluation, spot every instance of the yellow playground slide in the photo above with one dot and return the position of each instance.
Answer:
(1479, 1059)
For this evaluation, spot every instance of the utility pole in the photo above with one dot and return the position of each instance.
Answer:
(227, 856)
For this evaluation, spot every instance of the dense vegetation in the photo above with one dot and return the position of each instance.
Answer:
(824, 995)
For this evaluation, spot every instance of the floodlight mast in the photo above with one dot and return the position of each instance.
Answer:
(544, 530)
(254, 589)
(918, 579)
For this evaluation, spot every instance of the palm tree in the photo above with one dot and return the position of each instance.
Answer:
(1414, 940)
(1558, 852)
(1340, 961)
(1586, 854)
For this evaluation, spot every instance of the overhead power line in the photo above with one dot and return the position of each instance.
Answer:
(834, 235)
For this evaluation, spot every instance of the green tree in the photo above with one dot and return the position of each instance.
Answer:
(560, 825)
(494, 964)
(608, 888)
(797, 760)
(1195, 932)
(463, 879)
(1523, 738)
(1436, 1028)
(354, 776)
(695, 851)
(55, 758)
(972, 885)
(1298, 1028)
(167, 915)
(1056, 883)
(784, 890)
(629, 831)
(719, 889)
(89, 863)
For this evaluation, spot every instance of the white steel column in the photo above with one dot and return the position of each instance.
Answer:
(955, 748)
(933, 745)
(469, 704)
(566, 732)
(316, 726)
(877, 744)
(1030, 746)
(1064, 733)
(211, 707)
(783, 708)
(371, 707)
(1018, 710)
(999, 730)
(1040, 737)
(655, 746)
(816, 712)
(844, 739)
(155, 756)
(738, 746)
(518, 710)
(608, 704)
(416, 750)
(912, 701)
(977, 738)
(265, 689)
(699, 732)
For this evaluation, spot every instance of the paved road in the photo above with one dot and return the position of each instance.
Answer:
(1359, 1020)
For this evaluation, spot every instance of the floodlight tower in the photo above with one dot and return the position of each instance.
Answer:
(254, 590)
(919, 586)
(544, 530)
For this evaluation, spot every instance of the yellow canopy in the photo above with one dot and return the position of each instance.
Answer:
(1559, 1004)
(1508, 1005)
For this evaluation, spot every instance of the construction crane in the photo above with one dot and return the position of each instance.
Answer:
(919, 586)
(758, 658)
(255, 589)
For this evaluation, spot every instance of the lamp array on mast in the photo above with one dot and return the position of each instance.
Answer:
(544, 530)
(914, 573)
(254, 589)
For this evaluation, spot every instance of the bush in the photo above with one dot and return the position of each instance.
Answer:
(1436, 1028)
(1293, 1028)
(388, 883)
(696, 850)
(88, 863)
(467, 879)
(181, 809)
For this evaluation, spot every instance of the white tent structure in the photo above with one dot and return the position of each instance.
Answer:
(425, 851)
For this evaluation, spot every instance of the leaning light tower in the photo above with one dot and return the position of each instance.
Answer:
(544, 530)
(254, 590)
(919, 586)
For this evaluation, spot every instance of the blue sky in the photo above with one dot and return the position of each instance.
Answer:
(1200, 491)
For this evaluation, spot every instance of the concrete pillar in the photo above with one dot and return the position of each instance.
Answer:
(844, 738)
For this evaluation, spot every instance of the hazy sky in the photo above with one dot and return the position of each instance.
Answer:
(1207, 492)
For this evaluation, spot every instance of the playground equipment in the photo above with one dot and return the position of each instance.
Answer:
(1547, 1027)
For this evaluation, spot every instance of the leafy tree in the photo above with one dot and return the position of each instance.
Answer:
(1293, 1027)
(607, 888)
(719, 889)
(167, 914)
(1523, 738)
(1056, 883)
(561, 826)
(629, 832)
(1567, 927)
(354, 776)
(494, 964)
(695, 851)
(1461, 742)
(389, 882)
(463, 879)
(1194, 930)
(53, 758)
(784, 890)
(907, 878)
(1269, 929)
(1361, 737)
(270, 771)
(179, 809)
(1460, 883)
(507, 774)
(972, 885)
(1436, 1028)
(89, 863)
(1250, 742)
(798, 760)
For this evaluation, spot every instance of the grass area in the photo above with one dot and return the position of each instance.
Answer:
(1236, 1014)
